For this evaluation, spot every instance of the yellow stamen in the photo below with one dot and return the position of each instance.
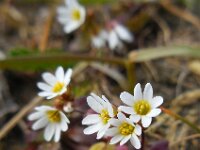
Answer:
(104, 116)
(53, 116)
(58, 87)
(142, 107)
(126, 129)
(76, 15)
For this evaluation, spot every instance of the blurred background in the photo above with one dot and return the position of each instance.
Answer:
(163, 49)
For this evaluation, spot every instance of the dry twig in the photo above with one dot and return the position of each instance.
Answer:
(8, 126)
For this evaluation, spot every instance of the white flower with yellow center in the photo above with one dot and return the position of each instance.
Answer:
(54, 121)
(55, 85)
(98, 122)
(124, 130)
(141, 106)
(72, 16)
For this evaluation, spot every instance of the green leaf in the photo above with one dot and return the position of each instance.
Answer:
(160, 52)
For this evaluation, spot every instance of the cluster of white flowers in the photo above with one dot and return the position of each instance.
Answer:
(114, 36)
(107, 122)
(73, 15)
(121, 124)
(52, 119)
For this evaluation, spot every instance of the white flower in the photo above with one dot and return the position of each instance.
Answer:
(55, 85)
(72, 16)
(98, 122)
(118, 33)
(99, 40)
(142, 105)
(124, 130)
(53, 120)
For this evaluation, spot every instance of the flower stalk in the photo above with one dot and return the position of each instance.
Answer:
(130, 74)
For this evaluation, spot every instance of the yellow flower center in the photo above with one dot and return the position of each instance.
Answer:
(126, 129)
(58, 87)
(76, 14)
(53, 116)
(142, 107)
(104, 116)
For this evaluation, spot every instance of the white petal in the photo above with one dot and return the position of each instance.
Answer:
(64, 125)
(42, 122)
(148, 92)
(102, 131)
(138, 92)
(135, 118)
(45, 94)
(64, 89)
(135, 141)
(71, 3)
(43, 108)
(94, 104)
(125, 139)
(126, 109)
(97, 42)
(123, 33)
(49, 132)
(114, 122)
(68, 2)
(156, 101)
(35, 116)
(146, 121)
(129, 121)
(109, 107)
(49, 78)
(92, 129)
(121, 117)
(83, 14)
(64, 117)
(60, 74)
(154, 112)
(138, 129)
(91, 119)
(57, 133)
(116, 139)
(52, 96)
(71, 26)
(63, 19)
(112, 131)
(113, 40)
(68, 75)
(99, 100)
(62, 10)
(44, 86)
(127, 98)
(103, 34)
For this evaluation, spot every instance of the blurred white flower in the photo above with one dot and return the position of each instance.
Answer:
(53, 120)
(124, 130)
(118, 34)
(142, 105)
(98, 122)
(71, 16)
(100, 39)
(55, 85)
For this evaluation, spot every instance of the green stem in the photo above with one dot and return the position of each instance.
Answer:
(176, 116)
(55, 59)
